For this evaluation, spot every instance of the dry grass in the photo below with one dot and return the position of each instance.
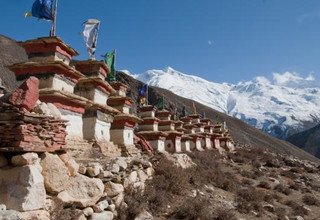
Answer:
(310, 200)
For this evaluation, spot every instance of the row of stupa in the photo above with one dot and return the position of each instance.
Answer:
(189, 133)
(101, 111)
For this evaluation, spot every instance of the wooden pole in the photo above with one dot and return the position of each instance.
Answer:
(53, 28)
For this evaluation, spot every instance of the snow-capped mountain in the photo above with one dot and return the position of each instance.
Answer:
(287, 104)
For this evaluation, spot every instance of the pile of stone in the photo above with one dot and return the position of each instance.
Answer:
(57, 182)
(25, 131)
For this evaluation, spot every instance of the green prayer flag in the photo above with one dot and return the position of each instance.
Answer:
(110, 59)
(160, 103)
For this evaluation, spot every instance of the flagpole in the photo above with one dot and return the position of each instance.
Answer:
(114, 64)
(53, 28)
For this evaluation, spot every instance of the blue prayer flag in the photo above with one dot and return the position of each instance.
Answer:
(43, 9)
(143, 90)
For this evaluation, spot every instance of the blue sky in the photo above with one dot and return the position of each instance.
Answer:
(219, 40)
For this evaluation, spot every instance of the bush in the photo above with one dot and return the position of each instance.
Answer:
(282, 189)
(249, 199)
(224, 214)
(310, 200)
(264, 184)
(296, 208)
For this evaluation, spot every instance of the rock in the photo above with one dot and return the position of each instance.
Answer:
(142, 176)
(24, 190)
(10, 215)
(268, 207)
(3, 207)
(55, 173)
(82, 191)
(42, 108)
(298, 217)
(101, 206)
(115, 168)
(107, 174)
(122, 163)
(88, 211)
(3, 160)
(139, 186)
(106, 215)
(111, 207)
(35, 215)
(82, 169)
(117, 200)
(145, 163)
(180, 160)
(54, 111)
(70, 163)
(27, 95)
(144, 215)
(24, 159)
(131, 179)
(149, 171)
(94, 169)
(113, 189)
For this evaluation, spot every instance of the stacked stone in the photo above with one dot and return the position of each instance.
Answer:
(148, 128)
(23, 131)
(122, 128)
(173, 139)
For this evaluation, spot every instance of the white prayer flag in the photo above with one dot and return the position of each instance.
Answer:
(90, 35)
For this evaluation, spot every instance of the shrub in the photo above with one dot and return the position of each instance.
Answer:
(249, 199)
(296, 208)
(264, 184)
(282, 189)
(223, 214)
(246, 182)
(310, 200)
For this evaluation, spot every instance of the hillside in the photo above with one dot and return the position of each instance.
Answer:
(308, 140)
(287, 104)
(241, 132)
(10, 53)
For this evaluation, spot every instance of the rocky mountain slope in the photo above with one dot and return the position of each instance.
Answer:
(241, 132)
(281, 107)
(308, 140)
(10, 53)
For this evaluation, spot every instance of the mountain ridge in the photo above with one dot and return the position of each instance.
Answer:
(287, 105)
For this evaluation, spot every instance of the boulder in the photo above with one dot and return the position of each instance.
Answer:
(180, 160)
(35, 215)
(142, 176)
(27, 95)
(55, 173)
(42, 108)
(3, 160)
(111, 207)
(149, 171)
(121, 162)
(102, 216)
(144, 215)
(115, 168)
(3, 207)
(118, 200)
(107, 174)
(10, 215)
(70, 163)
(24, 190)
(54, 111)
(101, 206)
(24, 159)
(82, 191)
(88, 211)
(94, 169)
(131, 179)
(113, 189)
(82, 169)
